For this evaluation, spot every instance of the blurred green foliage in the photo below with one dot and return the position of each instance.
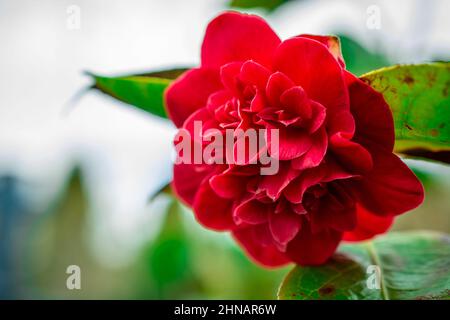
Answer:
(434, 212)
(358, 59)
(183, 261)
(268, 5)
(187, 261)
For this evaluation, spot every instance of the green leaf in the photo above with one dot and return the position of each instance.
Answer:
(413, 265)
(144, 91)
(418, 96)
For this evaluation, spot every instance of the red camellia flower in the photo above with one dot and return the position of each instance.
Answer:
(338, 178)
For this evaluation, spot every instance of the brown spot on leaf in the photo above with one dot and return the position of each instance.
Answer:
(434, 132)
(408, 126)
(326, 290)
(393, 90)
(431, 78)
(408, 80)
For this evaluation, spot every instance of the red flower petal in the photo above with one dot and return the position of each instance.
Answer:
(332, 43)
(206, 121)
(190, 92)
(341, 123)
(251, 211)
(228, 185)
(313, 249)
(295, 101)
(372, 115)
(277, 84)
(318, 116)
(253, 73)
(391, 188)
(310, 65)
(284, 226)
(274, 184)
(295, 190)
(234, 36)
(330, 217)
(292, 142)
(334, 171)
(351, 155)
(258, 102)
(212, 211)
(337, 211)
(368, 225)
(218, 99)
(267, 255)
(315, 154)
(229, 75)
(187, 178)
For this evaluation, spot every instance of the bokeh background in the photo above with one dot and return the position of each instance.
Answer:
(79, 171)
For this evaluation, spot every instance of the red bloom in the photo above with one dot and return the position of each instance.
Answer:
(338, 178)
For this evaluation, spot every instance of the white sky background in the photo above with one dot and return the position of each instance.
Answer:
(126, 151)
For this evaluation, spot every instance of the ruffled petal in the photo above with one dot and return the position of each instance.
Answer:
(256, 242)
(336, 210)
(228, 185)
(341, 123)
(332, 43)
(274, 184)
(295, 101)
(373, 117)
(295, 190)
(229, 74)
(310, 65)
(190, 92)
(315, 154)
(292, 142)
(309, 248)
(391, 188)
(351, 155)
(277, 84)
(199, 122)
(251, 211)
(335, 171)
(284, 226)
(368, 225)
(253, 73)
(212, 211)
(235, 36)
(318, 116)
(187, 178)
